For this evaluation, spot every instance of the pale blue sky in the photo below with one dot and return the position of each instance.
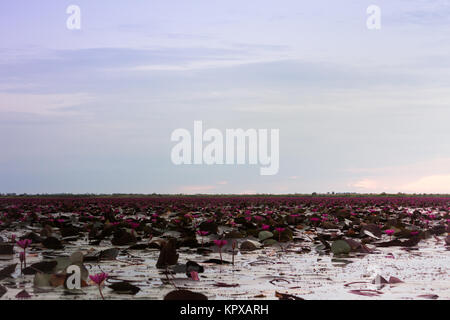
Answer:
(92, 110)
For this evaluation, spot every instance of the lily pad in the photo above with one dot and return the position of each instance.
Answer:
(124, 288)
(263, 235)
(185, 295)
(250, 245)
(270, 242)
(340, 247)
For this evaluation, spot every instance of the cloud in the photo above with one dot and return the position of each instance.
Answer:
(42, 104)
(193, 189)
(365, 184)
(430, 176)
(429, 184)
(199, 65)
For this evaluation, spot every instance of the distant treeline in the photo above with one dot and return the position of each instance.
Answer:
(156, 195)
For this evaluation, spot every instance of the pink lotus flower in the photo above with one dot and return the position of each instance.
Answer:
(390, 232)
(265, 227)
(98, 279)
(220, 244)
(24, 243)
(202, 234)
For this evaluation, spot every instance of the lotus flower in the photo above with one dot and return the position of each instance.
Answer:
(24, 245)
(202, 234)
(98, 279)
(280, 231)
(220, 244)
(390, 232)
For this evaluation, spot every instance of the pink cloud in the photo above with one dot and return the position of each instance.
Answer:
(192, 189)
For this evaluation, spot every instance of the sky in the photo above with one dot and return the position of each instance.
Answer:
(92, 110)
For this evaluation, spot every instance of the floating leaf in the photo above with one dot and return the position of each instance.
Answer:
(6, 272)
(124, 288)
(42, 267)
(193, 266)
(185, 295)
(168, 255)
(285, 296)
(3, 290)
(226, 285)
(23, 295)
(41, 280)
(373, 230)
(52, 243)
(109, 254)
(340, 247)
(263, 235)
(394, 280)
(270, 242)
(6, 249)
(366, 292)
(250, 245)
(429, 296)
(217, 261)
